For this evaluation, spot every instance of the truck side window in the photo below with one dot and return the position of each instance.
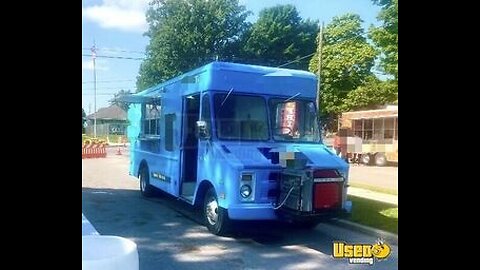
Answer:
(151, 121)
(169, 119)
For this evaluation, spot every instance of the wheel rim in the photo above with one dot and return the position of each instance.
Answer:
(211, 211)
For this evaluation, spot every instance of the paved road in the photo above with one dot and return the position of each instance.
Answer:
(384, 177)
(170, 234)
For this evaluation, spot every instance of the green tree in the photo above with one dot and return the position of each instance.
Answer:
(371, 94)
(385, 37)
(115, 101)
(189, 33)
(279, 36)
(347, 59)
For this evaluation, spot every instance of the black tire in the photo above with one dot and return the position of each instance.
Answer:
(380, 159)
(216, 218)
(146, 189)
(366, 159)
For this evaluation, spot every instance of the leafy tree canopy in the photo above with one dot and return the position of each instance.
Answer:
(185, 34)
(280, 36)
(121, 104)
(385, 37)
(371, 94)
(347, 59)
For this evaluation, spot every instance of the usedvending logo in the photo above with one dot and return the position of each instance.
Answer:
(361, 253)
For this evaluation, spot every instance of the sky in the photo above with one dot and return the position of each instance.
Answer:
(117, 26)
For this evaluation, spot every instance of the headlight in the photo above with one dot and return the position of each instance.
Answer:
(246, 186)
(245, 191)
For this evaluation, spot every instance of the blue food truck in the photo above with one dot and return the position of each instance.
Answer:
(241, 142)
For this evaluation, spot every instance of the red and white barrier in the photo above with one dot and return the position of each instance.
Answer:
(94, 150)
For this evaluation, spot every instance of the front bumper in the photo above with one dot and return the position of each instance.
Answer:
(289, 214)
(266, 212)
(252, 212)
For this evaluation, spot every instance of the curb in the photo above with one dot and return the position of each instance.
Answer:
(391, 238)
(373, 195)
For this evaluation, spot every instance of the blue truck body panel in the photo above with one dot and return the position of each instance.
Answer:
(218, 161)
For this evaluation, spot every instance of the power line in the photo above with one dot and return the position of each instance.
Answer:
(115, 57)
(108, 81)
(177, 58)
(129, 89)
(288, 63)
(129, 86)
(114, 50)
(303, 57)
(104, 88)
(100, 94)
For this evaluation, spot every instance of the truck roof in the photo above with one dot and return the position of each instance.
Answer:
(245, 78)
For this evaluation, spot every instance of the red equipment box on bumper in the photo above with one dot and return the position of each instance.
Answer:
(327, 195)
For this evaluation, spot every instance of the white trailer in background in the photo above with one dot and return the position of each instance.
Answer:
(370, 136)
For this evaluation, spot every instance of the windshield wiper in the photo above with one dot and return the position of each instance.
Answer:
(228, 94)
(294, 96)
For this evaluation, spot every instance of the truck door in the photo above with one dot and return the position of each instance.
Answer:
(189, 146)
(206, 156)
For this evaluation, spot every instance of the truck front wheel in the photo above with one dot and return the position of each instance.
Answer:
(216, 218)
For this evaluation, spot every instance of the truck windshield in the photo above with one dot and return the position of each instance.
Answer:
(240, 117)
(294, 120)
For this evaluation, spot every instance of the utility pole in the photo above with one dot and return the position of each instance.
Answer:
(94, 55)
(320, 44)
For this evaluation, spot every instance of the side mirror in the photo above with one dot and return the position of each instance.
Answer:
(202, 131)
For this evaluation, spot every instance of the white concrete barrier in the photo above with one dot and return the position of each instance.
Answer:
(107, 252)
(87, 227)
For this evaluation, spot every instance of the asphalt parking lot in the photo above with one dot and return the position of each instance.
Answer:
(170, 233)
